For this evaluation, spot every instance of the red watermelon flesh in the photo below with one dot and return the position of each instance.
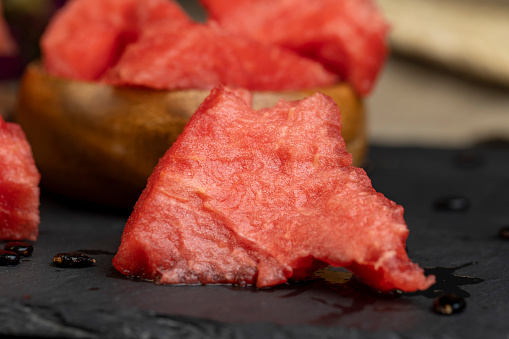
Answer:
(258, 197)
(86, 37)
(19, 185)
(347, 36)
(203, 55)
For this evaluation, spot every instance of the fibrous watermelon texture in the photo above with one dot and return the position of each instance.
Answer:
(259, 45)
(347, 36)
(201, 56)
(86, 37)
(19, 185)
(259, 197)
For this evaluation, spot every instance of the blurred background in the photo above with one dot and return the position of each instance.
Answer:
(446, 83)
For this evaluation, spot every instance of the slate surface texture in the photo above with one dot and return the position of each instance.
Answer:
(462, 248)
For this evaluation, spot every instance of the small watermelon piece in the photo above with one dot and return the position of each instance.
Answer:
(203, 55)
(258, 197)
(86, 37)
(19, 185)
(347, 36)
(8, 46)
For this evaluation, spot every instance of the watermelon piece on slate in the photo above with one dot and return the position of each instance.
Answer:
(19, 185)
(259, 197)
(347, 36)
(86, 37)
(202, 56)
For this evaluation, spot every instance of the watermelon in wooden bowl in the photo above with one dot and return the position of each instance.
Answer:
(119, 79)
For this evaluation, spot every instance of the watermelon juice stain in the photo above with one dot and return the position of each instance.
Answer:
(447, 282)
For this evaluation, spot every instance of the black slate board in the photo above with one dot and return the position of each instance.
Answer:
(37, 299)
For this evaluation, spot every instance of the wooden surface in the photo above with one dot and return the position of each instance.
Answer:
(465, 98)
(468, 36)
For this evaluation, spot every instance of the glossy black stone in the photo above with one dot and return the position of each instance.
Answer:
(8, 258)
(452, 204)
(73, 260)
(22, 248)
(504, 232)
(449, 304)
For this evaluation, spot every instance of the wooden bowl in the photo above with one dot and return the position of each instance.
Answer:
(100, 143)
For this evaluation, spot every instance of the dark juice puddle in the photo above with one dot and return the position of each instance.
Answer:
(345, 295)
(447, 282)
(356, 295)
(339, 289)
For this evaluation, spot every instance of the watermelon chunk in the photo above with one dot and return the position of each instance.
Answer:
(258, 197)
(86, 37)
(202, 56)
(19, 185)
(347, 36)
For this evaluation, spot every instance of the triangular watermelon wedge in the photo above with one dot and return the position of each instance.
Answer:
(258, 197)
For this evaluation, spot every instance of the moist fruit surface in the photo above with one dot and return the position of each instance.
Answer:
(260, 197)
